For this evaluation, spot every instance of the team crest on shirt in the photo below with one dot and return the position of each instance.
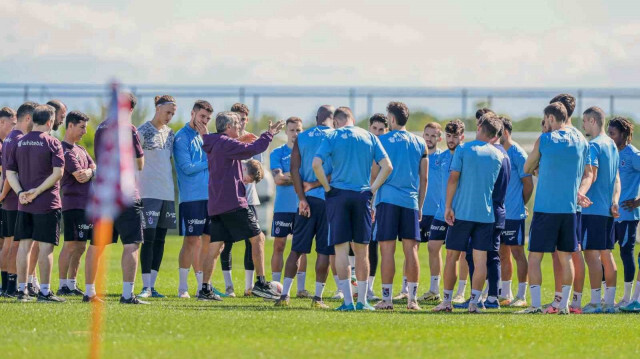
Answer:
(392, 140)
(622, 163)
(345, 136)
(311, 134)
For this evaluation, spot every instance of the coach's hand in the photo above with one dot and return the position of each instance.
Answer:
(615, 210)
(303, 208)
(631, 204)
(449, 216)
(83, 176)
(274, 128)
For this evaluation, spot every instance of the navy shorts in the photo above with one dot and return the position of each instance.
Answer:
(553, 231)
(349, 216)
(396, 222)
(425, 226)
(77, 227)
(625, 232)
(193, 218)
(282, 225)
(597, 232)
(306, 228)
(438, 230)
(159, 213)
(513, 232)
(478, 235)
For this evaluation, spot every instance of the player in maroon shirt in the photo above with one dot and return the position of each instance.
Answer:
(7, 121)
(34, 171)
(79, 170)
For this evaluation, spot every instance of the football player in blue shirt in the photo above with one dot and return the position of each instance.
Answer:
(469, 209)
(399, 204)
(597, 219)
(351, 151)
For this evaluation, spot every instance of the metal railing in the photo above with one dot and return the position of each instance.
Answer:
(255, 93)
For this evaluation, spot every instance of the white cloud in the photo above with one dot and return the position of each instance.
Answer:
(341, 47)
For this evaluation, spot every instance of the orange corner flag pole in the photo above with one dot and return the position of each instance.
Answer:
(103, 233)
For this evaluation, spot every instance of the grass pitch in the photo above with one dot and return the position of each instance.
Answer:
(252, 327)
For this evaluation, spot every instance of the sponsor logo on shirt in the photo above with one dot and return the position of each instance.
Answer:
(30, 143)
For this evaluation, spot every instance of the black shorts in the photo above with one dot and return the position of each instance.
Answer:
(159, 213)
(9, 223)
(128, 226)
(41, 227)
(234, 226)
(77, 227)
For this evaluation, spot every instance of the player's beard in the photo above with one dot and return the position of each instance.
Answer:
(451, 146)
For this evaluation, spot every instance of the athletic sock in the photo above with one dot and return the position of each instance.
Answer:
(90, 289)
(4, 280)
(506, 289)
(475, 296)
(30, 279)
(44, 289)
(492, 298)
(596, 296)
(302, 278)
(446, 298)
(345, 286)
(199, 276)
(127, 289)
(63, 282)
(71, 283)
(636, 292)
(319, 289)
(352, 263)
(146, 280)
(566, 294)
(286, 286)
(462, 287)
(362, 291)
(434, 286)
(485, 291)
(536, 299)
(627, 291)
(22, 287)
(276, 276)
(335, 278)
(12, 282)
(522, 290)
(370, 281)
(154, 277)
(183, 274)
(413, 291)
(228, 282)
(34, 281)
(556, 300)
(577, 300)
(248, 279)
(387, 292)
(609, 295)
(404, 285)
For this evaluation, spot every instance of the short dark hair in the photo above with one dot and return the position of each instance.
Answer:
(507, 124)
(324, 112)
(254, 170)
(241, 108)
(133, 100)
(378, 117)
(557, 110)
(596, 113)
(490, 124)
(43, 114)
(202, 105)
(436, 126)
(624, 125)
(568, 101)
(7, 112)
(342, 112)
(400, 111)
(455, 127)
(482, 111)
(163, 99)
(26, 109)
(75, 117)
(293, 119)
(56, 104)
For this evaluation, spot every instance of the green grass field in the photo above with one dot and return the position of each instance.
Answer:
(252, 327)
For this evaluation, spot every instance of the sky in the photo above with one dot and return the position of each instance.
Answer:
(542, 43)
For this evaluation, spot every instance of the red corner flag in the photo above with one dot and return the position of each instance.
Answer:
(113, 191)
